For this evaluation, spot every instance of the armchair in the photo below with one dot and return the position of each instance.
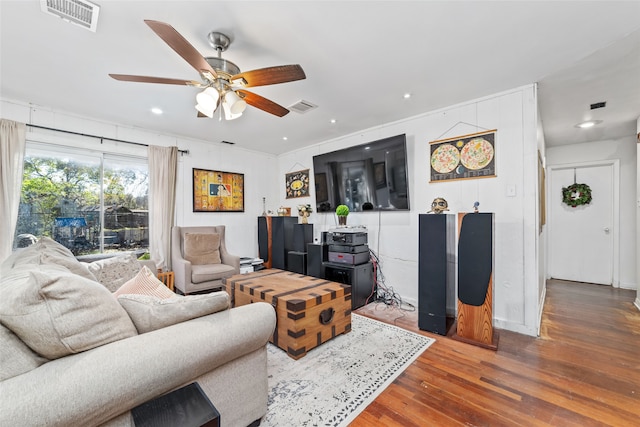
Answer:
(200, 260)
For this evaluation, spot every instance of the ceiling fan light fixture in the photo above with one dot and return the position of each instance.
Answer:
(234, 103)
(206, 111)
(208, 98)
(228, 115)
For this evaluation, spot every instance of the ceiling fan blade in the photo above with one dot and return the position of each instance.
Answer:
(263, 103)
(182, 47)
(147, 79)
(271, 75)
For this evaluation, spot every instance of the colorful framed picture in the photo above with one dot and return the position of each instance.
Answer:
(464, 157)
(217, 191)
(297, 184)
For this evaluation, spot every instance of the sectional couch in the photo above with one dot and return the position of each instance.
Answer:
(76, 351)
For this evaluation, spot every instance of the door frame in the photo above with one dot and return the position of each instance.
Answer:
(615, 164)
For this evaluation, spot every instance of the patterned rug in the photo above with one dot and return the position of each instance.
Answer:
(333, 383)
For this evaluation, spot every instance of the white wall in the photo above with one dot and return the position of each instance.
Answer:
(394, 235)
(256, 167)
(623, 149)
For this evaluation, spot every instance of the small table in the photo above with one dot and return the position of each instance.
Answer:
(167, 278)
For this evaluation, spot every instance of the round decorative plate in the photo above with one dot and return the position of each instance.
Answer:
(477, 154)
(445, 158)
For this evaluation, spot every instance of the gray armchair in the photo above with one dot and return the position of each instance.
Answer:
(195, 261)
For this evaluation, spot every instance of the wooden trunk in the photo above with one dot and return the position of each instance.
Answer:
(309, 310)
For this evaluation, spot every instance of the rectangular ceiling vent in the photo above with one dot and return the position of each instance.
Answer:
(598, 105)
(79, 12)
(302, 107)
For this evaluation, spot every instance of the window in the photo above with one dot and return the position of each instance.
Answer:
(90, 202)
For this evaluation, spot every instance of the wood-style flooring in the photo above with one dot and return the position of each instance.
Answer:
(583, 370)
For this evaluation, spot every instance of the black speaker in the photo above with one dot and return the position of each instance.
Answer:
(281, 240)
(316, 255)
(297, 262)
(264, 240)
(275, 239)
(302, 234)
(475, 258)
(360, 277)
(436, 238)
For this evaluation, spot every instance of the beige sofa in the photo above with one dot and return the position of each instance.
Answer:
(92, 369)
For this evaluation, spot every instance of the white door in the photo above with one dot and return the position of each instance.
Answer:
(581, 238)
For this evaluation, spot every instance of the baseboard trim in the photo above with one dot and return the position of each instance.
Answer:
(543, 299)
(637, 303)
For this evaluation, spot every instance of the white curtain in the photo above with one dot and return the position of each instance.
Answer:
(12, 145)
(163, 169)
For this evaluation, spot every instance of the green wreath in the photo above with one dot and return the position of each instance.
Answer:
(576, 195)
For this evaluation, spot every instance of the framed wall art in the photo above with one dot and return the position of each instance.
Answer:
(217, 191)
(464, 157)
(297, 184)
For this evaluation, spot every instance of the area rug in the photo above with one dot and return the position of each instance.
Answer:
(336, 381)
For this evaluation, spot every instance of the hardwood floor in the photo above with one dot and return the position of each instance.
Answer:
(583, 370)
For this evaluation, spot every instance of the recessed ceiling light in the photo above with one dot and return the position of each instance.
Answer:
(588, 124)
(284, 138)
(156, 110)
(333, 120)
(407, 95)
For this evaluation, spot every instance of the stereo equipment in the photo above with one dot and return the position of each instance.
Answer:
(352, 249)
(297, 262)
(340, 238)
(359, 277)
(275, 239)
(436, 271)
(348, 258)
(316, 255)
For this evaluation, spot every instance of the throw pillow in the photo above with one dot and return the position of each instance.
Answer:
(149, 313)
(200, 249)
(114, 272)
(145, 283)
(71, 264)
(57, 313)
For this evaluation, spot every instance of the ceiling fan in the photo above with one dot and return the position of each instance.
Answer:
(222, 80)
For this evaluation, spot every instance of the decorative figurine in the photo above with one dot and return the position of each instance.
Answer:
(475, 207)
(304, 211)
(439, 205)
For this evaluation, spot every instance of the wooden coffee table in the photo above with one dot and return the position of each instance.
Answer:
(309, 311)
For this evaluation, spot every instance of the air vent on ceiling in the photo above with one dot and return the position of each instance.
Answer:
(302, 106)
(228, 142)
(598, 105)
(78, 12)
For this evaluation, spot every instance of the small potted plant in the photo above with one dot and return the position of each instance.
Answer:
(342, 211)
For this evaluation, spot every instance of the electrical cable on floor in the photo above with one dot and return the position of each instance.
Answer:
(385, 294)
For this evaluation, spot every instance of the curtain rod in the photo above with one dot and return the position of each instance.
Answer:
(101, 138)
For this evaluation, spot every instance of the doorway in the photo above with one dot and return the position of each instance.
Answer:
(583, 240)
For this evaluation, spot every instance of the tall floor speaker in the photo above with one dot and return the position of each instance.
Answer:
(316, 255)
(436, 272)
(475, 280)
(275, 240)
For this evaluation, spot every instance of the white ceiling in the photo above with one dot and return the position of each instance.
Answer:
(360, 57)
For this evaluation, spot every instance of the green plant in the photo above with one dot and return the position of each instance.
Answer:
(144, 256)
(342, 210)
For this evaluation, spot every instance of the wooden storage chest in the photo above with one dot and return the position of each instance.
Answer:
(309, 310)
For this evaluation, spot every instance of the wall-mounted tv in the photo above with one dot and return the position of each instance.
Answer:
(370, 176)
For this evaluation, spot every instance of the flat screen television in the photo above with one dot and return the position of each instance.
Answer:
(370, 176)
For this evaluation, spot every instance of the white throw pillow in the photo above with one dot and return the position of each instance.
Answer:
(149, 313)
(114, 272)
(57, 313)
